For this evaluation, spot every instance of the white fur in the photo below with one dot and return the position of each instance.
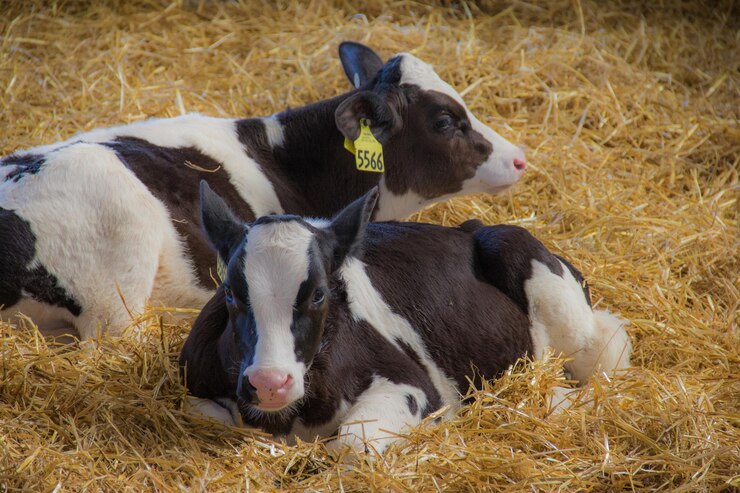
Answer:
(378, 416)
(562, 320)
(51, 318)
(103, 235)
(391, 206)
(220, 412)
(498, 172)
(274, 131)
(53, 321)
(561, 398)
(277, 262)
(366, 303)
(614, 341)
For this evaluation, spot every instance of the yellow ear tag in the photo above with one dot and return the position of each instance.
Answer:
(349, 145)
(368, 151)
(220, 269)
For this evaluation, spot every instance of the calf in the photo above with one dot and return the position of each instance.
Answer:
(96, 226)
(320, 325)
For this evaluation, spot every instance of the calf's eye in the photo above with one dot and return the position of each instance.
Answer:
(444, 122)
(228, 294)
(318, 297)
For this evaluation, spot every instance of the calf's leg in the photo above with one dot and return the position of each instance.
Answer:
(379, 416)
(556, 298)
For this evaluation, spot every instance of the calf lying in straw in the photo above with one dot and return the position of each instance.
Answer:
(101, 224)
(364, 329)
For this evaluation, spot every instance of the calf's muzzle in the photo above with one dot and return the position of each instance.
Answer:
(271, 387)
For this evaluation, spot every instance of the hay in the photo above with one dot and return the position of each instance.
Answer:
(630, 115)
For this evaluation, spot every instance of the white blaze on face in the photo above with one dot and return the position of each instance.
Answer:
(277, 262)
(498, 172)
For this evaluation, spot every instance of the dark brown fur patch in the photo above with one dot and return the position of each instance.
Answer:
(207, 355)
(434, 162)
(26, 164)
(171, 174)
(313, 174)
(461, 318)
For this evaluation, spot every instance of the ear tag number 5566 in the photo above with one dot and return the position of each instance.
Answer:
(368, 151)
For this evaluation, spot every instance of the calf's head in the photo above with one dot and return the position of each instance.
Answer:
(434, 147)
(276, 291)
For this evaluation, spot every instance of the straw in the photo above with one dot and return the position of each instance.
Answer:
(629, 114)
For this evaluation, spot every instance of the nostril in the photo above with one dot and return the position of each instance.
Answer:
(520, 164)
(284, 387)
(288, 382)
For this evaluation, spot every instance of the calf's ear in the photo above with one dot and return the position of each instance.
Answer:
(359, 62)
(223, 230)
(348, 227)
(384, 121)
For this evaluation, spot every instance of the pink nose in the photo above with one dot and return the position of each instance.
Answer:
(520, 164)
(271, 385)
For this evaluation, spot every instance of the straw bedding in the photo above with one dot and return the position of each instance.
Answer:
(629, 114)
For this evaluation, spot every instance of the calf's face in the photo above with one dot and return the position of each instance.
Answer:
(276, 291)
(423, 123)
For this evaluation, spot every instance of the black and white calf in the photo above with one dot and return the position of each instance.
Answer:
(113, 213)
(319, 325)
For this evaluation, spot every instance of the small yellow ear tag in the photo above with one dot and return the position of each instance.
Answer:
(367, 150)
(349, 145)
(220, 269)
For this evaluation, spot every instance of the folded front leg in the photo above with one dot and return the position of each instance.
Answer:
(379, 416)
(223, 410)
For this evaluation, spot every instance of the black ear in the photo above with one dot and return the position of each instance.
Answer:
(384, 121)
(348, 226)
(223, 230)
(360, 63)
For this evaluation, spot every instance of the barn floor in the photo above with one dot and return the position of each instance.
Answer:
(630, 119)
